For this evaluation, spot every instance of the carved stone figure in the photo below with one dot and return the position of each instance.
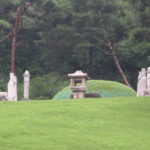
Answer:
(12, 88)
(143, 85)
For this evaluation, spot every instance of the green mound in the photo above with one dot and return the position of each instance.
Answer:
(102, 87)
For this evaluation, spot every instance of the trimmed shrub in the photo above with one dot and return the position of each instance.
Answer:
(44, 87)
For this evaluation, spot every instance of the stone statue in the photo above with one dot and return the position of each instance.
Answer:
(12, 88)
(143, 85)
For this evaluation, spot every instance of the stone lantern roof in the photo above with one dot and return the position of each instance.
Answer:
(78, 74)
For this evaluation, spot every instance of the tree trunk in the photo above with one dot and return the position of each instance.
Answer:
(118, 67)
(14, 43)
(115, 60)
(21, 9)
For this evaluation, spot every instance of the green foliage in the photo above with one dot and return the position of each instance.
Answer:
(44, 87)
(102, 87)
(89, 124)
(5, 24)
(3, 85)
(60, 36)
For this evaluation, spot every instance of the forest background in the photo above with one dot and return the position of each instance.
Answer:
(57, 37)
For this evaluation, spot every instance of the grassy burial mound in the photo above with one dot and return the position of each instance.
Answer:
(91, 124)
(102, 87)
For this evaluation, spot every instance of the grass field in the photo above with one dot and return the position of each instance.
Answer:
(88, 124)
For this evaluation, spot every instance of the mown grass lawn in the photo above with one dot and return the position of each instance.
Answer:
(88, 124)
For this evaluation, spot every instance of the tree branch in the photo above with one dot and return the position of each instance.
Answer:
(6, 36)
(105, 52)
(20, 10)
(113, 54)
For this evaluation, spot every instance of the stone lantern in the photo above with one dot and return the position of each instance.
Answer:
(78, 84)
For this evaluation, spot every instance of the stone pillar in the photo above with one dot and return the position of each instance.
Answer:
(84, 83)
(71, 82)
(12, 88)
(26, 85)
(78, 95)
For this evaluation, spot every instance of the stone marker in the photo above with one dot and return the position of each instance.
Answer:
(78, 89)
(12, 88)
(26, 85)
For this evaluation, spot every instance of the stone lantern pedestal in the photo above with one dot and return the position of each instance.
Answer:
(78, 84)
